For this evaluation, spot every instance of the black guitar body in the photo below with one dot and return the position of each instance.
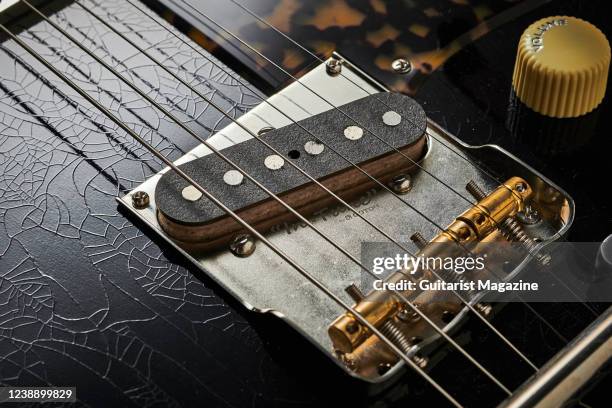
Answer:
(90, 297)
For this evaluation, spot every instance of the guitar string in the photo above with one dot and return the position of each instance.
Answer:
(231, 213)
(527, 305)
(454, 151)
(534, 250)
(379, 138)
(485, 321)
(270, 193)
(467, 303)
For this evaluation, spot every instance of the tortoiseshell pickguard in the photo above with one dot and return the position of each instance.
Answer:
(371, 33)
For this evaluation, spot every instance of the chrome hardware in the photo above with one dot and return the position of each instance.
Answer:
(333, 66)
(140, 200)
(530, 216)
(394, 333)
(401, 184)
(401, 66)
(243, 246)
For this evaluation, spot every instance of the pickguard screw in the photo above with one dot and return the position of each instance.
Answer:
(140, 200)
(401, 66)
(401, 184)
(243, 245)
(333, 67)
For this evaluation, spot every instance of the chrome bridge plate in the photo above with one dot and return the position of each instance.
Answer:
(265, 283)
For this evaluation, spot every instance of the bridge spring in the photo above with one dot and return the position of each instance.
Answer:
(391, 331)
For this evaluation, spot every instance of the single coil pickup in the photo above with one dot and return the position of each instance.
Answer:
(319, 145)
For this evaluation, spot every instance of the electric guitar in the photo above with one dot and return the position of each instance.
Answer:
(278, 203)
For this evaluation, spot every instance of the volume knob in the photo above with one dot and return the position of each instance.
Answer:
(562, 67)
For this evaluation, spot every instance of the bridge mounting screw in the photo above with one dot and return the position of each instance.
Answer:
(140, 200)
(529, 216)
(401, 184)
(243, 245)
(401, 66)
(333, 66)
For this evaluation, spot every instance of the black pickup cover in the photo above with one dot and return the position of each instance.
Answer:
(329, 127)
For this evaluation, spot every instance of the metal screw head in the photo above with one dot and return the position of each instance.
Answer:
(401, 66)
(243, 245)
(520, 187)
(333, 67)
(530, 216)
(401, 184)
(140, 200)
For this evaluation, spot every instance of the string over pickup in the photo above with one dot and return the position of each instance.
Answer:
(358, 145)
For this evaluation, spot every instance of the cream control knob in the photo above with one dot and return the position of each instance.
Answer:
(561, 67)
